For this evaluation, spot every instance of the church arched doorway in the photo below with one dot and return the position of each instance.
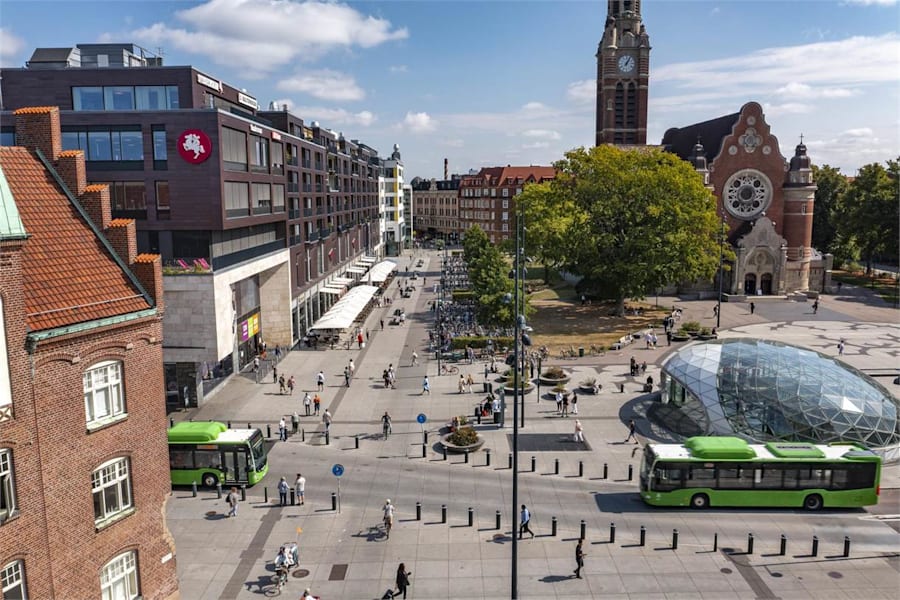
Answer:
(765, 284)
(750, 284)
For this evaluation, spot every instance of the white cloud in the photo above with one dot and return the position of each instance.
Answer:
(547, 134)
(533, 106)
(324, 84)
(10, 46)
(799, 91)
(331, 117)
(419, 122)
(535, 145)
(872, 2)
(454, 142)
(851, 148)
(582, 92)
(259, 36)
(787, 108)
(398, 69)
(716, 10)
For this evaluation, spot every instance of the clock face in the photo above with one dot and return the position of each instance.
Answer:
(626, 64)
(747, 194)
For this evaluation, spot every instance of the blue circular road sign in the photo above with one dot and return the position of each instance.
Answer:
(337, 469)
(421, 418)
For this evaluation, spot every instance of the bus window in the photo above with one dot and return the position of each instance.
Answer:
(769, 477)
(701, 477)
(666, 477)
(180, 459)
(815, 478)
(735, 476)
(208, 459)
(853, 477)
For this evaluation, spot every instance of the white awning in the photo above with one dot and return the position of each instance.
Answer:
(339, 281)
(356, 269)
(337, 291)
(347, 309)
(379, 273)
(369, 260)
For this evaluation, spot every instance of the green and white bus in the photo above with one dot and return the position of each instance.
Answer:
(209, 453)
(728, 471)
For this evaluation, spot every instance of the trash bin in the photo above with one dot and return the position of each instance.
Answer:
(497, 416)
(487, 387)
(581, 352)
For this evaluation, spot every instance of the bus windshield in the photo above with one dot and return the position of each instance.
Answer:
(258, 449)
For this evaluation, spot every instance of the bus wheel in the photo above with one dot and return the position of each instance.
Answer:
(699, 501)
(812, 502)
(210, 480)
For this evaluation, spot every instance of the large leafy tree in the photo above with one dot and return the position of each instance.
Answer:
(831, 187)
(487, 271)
(870, 212)
(640, 219)
(549, 217)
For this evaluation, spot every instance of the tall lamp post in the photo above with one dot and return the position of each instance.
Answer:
(514, 591)
(721, 272)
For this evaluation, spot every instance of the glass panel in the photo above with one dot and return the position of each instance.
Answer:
(70, 140)
(132, 145)
(87, 98)
(162, 195)
(160, 152)
(172, 97)
(118, 97)
(99, 146)
(150, 97)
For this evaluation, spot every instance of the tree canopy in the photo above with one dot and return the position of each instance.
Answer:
(628, 221)
(869, 212)
(487, 271)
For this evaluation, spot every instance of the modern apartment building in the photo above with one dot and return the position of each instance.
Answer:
(253, 211)
(390, 201)
(487, 199)
(436, 208)
(84, 470)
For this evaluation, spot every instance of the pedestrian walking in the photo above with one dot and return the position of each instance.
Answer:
(352, 368)
(579, 558)
(392, 376)
(307, 402)
(524, 522)
(816, 306)
(716, 310)
(320, 381)
(469, 382)
(282, 385)
(300, 488)
(282, 430)
(559, 400)
(256, 368)
(632, 431)
(841, 347)
(317, 402)
(565, 405)
(461, 384)
(752, 308)
(274, 374)
(668, 337)
(426, 387)
(359, 340)
(295, 422)
(283, 489)
(382, 324)
(347, 376)
(579, 431)
(291, 383)
(232, 499)
(367, 335)
(402, 580)
(415, 358)
(326, 418)
(574, 403)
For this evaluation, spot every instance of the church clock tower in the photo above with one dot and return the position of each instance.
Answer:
(623, 74)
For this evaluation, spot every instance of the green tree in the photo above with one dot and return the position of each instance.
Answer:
(541, 203)
(640, 220)
(832, 185)
(474, 243)
(870, 212)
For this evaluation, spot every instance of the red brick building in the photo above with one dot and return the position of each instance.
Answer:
(84, 471)
(487, 199)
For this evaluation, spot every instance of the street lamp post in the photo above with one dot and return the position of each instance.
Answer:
(514, 592)
(721, 272)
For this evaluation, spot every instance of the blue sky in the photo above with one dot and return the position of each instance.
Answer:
(512, 82)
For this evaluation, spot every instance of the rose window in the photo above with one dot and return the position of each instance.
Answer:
(747, 194)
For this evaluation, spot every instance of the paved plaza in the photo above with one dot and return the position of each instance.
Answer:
(344, 554)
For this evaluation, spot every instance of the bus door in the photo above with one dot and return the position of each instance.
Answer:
(235, 465)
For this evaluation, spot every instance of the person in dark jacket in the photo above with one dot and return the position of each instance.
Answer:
(402, 579)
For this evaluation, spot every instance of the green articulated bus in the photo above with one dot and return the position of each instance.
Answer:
(728, 471)
(209, 453)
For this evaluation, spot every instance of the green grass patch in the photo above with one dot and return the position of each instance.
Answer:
(885, 286)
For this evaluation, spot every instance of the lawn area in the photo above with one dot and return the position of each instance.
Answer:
(885, 286)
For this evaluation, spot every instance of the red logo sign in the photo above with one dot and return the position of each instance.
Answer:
(194, 146)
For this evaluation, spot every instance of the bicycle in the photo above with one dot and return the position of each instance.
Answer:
(279, 579)
(449, 370)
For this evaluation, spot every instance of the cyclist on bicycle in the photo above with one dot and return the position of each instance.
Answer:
(386, 424)
(388, 510)
(284, 561)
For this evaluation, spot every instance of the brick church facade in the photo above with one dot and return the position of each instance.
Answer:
(765, 200)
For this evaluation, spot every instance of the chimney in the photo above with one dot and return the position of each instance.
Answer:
(71, 169)
(148, 269)
(37, 127)
(123, 237)
(445, 169)
(96, 203)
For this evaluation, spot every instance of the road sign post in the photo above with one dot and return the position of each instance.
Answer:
(338, 470)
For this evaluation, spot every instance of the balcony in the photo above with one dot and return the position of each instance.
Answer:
(308, 212)
(312, 236)
(307, 187)
(296, 240)
(292, 161)
(319, 188)
(306, 163)
(324, 232)
(320, 210)
(220, 262)
(294, 213)
(278, 208)
(293, 188)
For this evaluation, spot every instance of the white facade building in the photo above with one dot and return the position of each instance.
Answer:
(390, 202)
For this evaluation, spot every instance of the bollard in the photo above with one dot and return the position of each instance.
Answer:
(487, 457)
(510, 461)
(443, 513)
(749, 543)
(674, 539)
(418, 511)
(581, 468)
(333, 501)
(605, 471)
(612, 533)
(268, 431)
(815, 546)
(228, 424)
(583, 528)
(218, 491)
(622, 388)
(783, 550)
(556, 466)
(630, 472)
(194, 489)
(327, 437)
(716, 542)
(243, 492)
(846, 546)
(497, 522)
(643, 536)
(171, 422)
(302, 435)
(471, 516)
(356, 439)
(424, 437)
(466, 457)
(479, 417)
(424, 450)
(248, 427)
(533, 464)
(553, 527)
(293, 497)
(266, 495)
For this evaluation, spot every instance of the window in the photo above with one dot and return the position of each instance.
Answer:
(118, 97)
(128, 197)
(12, 581)
(259, 153)
(237, 199)
(505, 193)
(118, 579)
(7, 485)
(277, 157)
(87, 98)
(5, 381)
(104, 398)
(150, 97)
(99, 146)
(162, 195)
(262, 198)
(504, 216)
(111, 485)
(125, 97)
(278, 197)
(160, 152)
(125, 143)
(7, 138)
(234, 149)
(506, 203)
